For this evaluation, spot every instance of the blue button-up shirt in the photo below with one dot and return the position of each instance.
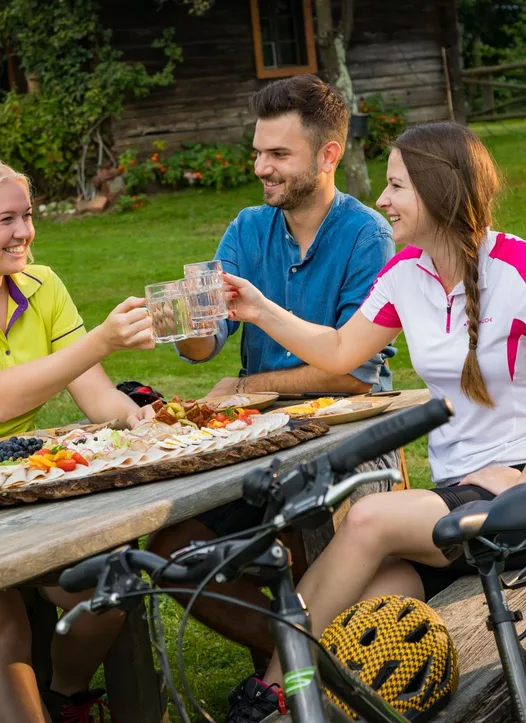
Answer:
(326, 287)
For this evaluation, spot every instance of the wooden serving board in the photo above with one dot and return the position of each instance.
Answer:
(296, 433)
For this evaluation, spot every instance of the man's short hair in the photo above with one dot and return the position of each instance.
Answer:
(321, 107)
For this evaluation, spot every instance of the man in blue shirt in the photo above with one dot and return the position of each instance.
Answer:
(311, 249)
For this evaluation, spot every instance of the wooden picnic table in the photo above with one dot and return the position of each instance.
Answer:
(38, 539)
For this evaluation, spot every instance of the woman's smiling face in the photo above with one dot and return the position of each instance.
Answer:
(16, 226)
(409, 218)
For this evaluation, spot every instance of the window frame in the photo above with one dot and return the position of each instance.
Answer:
(290, 70)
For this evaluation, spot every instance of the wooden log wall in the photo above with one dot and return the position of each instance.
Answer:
(396, 50)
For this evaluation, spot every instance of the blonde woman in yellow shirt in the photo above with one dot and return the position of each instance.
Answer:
(44, 348)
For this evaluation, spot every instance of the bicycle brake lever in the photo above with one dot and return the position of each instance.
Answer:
(66, 621)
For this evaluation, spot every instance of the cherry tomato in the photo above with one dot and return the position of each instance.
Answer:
(79, 459)
(68, 465)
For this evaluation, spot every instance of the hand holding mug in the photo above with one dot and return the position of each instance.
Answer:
(245, 302)
(128, 326)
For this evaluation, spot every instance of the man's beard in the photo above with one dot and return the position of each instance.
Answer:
(298, 191)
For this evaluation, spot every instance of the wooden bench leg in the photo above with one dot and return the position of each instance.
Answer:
(42, 618)
(131, 680)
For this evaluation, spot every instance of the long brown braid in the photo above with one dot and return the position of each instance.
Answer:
(457, 181)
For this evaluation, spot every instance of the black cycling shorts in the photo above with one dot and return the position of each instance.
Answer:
(436, 579)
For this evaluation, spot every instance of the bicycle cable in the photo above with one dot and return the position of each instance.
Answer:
(184, 620)
(158, 642)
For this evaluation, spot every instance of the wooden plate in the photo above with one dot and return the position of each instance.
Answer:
(258, 400)
(364, 410)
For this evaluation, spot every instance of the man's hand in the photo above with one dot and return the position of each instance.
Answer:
(495, 479)
(142, 414)
(224, 387)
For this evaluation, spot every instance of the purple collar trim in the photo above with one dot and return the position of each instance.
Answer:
(19, 299)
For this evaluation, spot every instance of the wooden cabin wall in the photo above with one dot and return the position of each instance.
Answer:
(209, 99)
(395, 49)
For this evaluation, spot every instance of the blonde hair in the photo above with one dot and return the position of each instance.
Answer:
(9, 174)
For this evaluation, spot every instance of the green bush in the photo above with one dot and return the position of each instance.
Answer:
(386, 121)
(218, 166)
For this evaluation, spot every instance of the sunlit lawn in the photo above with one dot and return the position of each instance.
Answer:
(102, 260)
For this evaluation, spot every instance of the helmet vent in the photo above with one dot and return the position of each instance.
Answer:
(416, 635)
(385, 672)
(348, 617)
(368, 637)
(354, 666)
(418, 680)
(380, 605)
(446, 675)
(405, 612)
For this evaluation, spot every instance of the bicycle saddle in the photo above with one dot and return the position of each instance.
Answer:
(506, 513)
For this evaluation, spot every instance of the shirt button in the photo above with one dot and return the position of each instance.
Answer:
(7, 353)
(287, 354)
(294, 269)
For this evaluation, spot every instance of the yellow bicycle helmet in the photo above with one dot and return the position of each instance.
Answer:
(400, 647)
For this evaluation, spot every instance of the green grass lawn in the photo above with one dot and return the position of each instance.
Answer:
(102, 260)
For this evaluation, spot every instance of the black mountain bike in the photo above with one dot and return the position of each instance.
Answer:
(305, 496)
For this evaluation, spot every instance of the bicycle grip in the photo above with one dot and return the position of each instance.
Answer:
(390, 433)
(83, 576)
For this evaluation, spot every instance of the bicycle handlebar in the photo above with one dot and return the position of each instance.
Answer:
(86, 573)
(390, 433)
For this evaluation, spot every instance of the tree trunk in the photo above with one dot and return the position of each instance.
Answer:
(333, 45)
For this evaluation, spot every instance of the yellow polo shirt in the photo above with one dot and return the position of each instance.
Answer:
(41, 319)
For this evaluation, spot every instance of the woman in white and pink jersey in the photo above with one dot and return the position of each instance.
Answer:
(458, 291)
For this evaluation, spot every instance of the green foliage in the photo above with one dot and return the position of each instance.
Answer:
(128, 203)
(493, 31)
(79, 79)
(218, 166)
(386, 121)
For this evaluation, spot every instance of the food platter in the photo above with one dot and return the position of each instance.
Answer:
(250, 400)
(340, 412)
(183, 437)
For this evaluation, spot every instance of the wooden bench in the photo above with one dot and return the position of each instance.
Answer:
(482, 695)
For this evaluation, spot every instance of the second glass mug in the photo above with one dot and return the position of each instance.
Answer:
(167, 304)
(204, 285)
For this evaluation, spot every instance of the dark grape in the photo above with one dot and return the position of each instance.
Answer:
(19, 447)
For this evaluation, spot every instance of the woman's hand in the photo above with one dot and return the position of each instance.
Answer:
(245, 302)
(142, 414)
(495, 479)
(128, 327)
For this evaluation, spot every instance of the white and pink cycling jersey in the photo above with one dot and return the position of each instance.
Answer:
(409, 294)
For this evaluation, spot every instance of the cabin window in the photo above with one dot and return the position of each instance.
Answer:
(283, 37)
